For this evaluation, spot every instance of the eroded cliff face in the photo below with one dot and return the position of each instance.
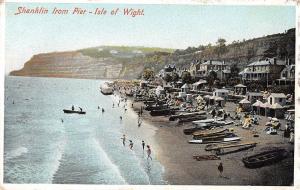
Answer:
(76, 65)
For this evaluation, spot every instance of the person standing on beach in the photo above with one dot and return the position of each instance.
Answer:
(220, 168)
(143, 145)
(149, 152)
(124, 139)
(130, 144)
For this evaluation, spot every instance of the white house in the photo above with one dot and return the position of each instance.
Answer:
(221, 93)
(279, 98)
(253, 96)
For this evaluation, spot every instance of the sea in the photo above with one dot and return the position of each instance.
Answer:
(43, 145)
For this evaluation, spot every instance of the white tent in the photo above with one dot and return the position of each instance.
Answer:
(244, 101)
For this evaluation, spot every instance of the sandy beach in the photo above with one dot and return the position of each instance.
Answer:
(176, 155)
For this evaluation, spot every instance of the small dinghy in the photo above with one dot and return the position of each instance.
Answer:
(73, 111)
(265, 158)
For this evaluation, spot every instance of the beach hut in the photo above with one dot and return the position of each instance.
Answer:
(253, 96)
(245, 104)
(240, 89)
(256, 106)
(278, 98)
(276, 111)
(265, 109)
(220, 101)
(185, 88)
(198, 85)
(221, 93)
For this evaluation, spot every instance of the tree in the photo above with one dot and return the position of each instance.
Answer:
(167, 78)
(148, 74)
(186, 77)
(221, 46)
(175, 77)
(212, 76)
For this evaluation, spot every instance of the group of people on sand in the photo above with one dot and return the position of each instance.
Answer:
(143, 146)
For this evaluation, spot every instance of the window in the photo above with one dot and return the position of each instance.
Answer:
(271, 100)
(280, 99)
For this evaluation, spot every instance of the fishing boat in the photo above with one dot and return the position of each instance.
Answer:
(209, 133)
(106, 89)
(200, 141)
(74, 111)
(215, 136)
(207, 120)
(222, 149)
(157, 107)
(162, 112)
(265, 158)
(184, 115)
(199, 127)
(189, 119)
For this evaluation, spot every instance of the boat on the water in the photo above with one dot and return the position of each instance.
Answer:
(106, 89)
(74, 111)
(265, 158)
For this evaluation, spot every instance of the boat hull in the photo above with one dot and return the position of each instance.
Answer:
(264, 158)
(73, 111)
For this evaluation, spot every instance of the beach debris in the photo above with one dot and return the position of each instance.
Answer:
(206, 157)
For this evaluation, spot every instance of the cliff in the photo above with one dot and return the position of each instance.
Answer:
(113, 62)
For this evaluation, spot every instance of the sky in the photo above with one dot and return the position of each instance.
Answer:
(168, 26)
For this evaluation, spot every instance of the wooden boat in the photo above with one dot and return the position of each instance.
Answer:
(199, 127)
(230, 148)
(73, 111)
(157, 107)
(211, 147)
(265, 158)
(209, 133)
(162, 112)
(106, 89)
(200, 141)
(193, 118)
(184, 115)
(207, 121)
(215, 136)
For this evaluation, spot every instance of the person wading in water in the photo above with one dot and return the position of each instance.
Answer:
(124, 139)
(149, 152)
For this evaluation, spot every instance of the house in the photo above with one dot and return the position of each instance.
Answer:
(168, 69)
(185, 88)
(194, 68)
(221, 93)
(253, 96)
(263, 70)
(220, 67)
(287, 75)
(278, 98)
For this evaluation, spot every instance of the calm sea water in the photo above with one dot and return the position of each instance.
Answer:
(83, 149)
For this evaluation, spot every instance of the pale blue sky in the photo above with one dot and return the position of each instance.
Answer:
(170, 26)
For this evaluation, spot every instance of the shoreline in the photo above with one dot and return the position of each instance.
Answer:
(176, 156)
